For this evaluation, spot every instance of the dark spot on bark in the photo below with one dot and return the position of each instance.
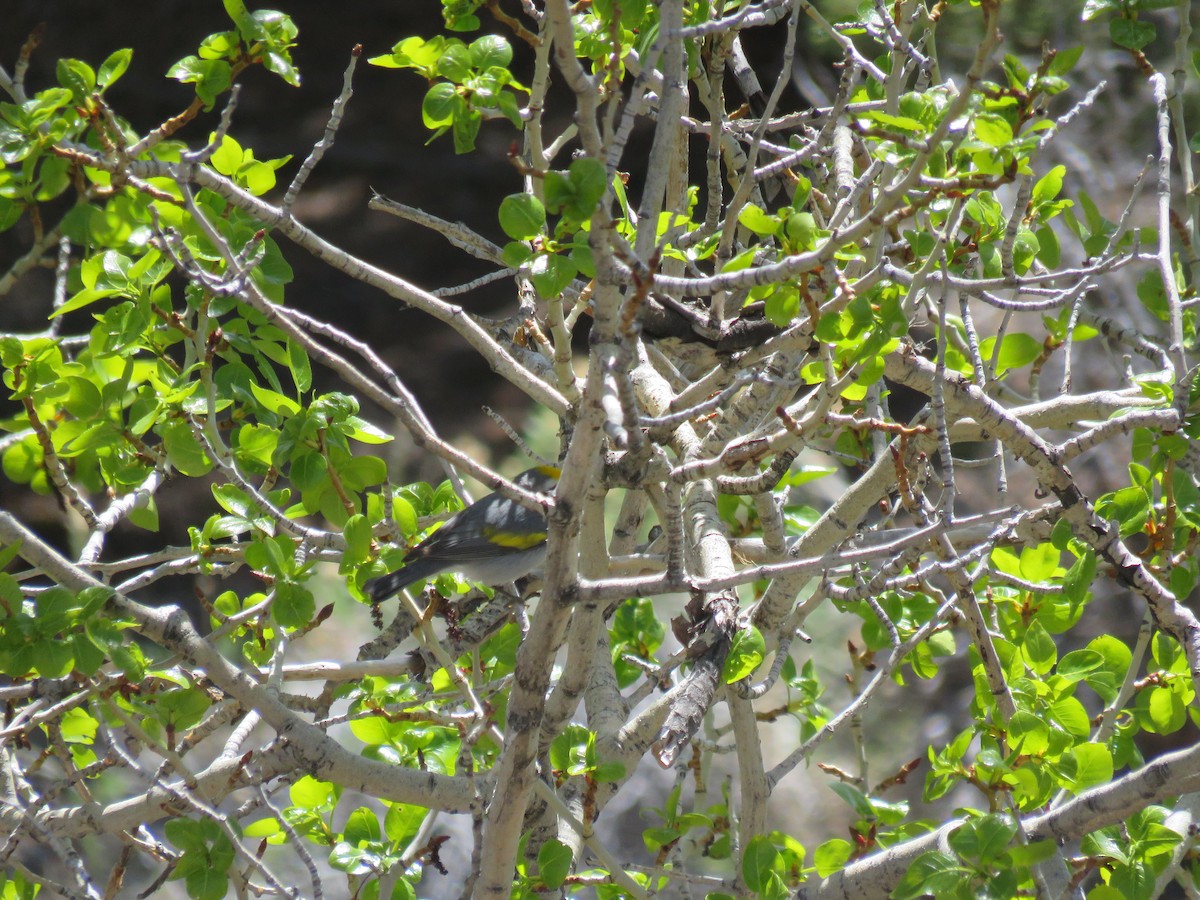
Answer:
(1069, 496)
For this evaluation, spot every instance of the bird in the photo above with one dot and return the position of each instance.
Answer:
(494, 541)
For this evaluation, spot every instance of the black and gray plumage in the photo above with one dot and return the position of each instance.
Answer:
(494, 541)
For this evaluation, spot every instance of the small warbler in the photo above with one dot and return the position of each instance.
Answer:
(493, 541)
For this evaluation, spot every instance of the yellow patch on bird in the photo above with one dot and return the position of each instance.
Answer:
(512, 540)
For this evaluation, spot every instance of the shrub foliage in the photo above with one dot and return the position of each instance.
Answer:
(762, 274)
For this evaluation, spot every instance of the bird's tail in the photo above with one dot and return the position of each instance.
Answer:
(385, 586)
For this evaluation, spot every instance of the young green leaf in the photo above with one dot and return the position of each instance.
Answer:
(522, 216)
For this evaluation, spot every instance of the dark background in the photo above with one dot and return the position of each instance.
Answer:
(380, 146)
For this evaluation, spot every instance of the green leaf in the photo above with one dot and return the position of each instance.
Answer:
(1078, 664)
(309, 470)
(247, 26)
(745, 654)
(655, 838)
(590, 178)
(1025, 249)
(53, 658)
(78, 77)
(1049, 252)
(22, 461)
(516, 253)
(984, 838)
(440, 105)
(490, 50)
(942, 643)
(465, 128)
(801, 231)
(758, 862)
(1028, 733)
(1132, 34)
(507, 103)
(1117, 659)
(1166, 709)
(220, 45)
(228, 157)
(113, 67)
(1016, 350)
(1129, 506)
(357, 531)
(522, 216)
(1183, 579)
(987, 211)
(263, 828)
(366, 433)
(402, 821)
(554, 863)
(1093, 765)
(376, 731)
(1078, 579)
(1152, 294)
(83, 298)
(281, 65)
(898, 123)
(184, 451)
(758, 221)
(1049, 185)
(354, 861)
(1026, 855)
(460, 22)
(207, 883)
(362, 826)
(831, 856)
(855, 799)
(455, 63)
(182, 709)
(576, 193)
(300, 367)
(782, 305)
(935, 872)
(294, 605)
(608, 772)
(413, 53)
(1064, 60)
(551, 273)
(274, 401)
(257, 176)
(88, 657)
(1071, 716)
(311, 793)
(743, 260)
(257, 443)
(1038, 648)
(557, 190)
(1166, 651)
(565, 744)
(993, 130)
(212, 77)
(184, 834)
(1039, 563)
(83, 398)
(130, 660)
(1156, 838)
